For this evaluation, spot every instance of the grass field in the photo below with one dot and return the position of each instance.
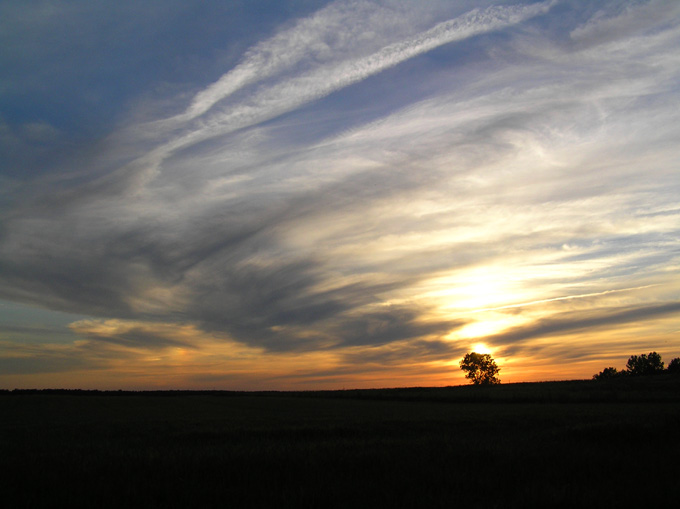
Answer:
(560, 444)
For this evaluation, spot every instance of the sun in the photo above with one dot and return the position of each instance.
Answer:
(481, 348)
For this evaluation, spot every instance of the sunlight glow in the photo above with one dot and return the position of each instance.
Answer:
(481, 348)
(472, 290)
(479, 330)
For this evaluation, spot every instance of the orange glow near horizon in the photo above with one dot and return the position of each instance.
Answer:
(185, 357)
(220, 363)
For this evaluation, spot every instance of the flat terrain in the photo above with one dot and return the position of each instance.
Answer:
(561, 444)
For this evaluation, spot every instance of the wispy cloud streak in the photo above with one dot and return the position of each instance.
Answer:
(285, 50)
(557, 299)
(273, 100)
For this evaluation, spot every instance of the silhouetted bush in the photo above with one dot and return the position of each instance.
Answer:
(608, 373)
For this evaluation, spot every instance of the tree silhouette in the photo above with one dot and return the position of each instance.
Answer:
(639, 365)
(480, 368)
(674, 366)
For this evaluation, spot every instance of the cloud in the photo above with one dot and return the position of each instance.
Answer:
(111, 290)
(40, 363)
(346, 25)
(401, 353)
(136, 335)
(272, 100)
(584, 321)
(614, 22)
(335, 32)
(22, 359)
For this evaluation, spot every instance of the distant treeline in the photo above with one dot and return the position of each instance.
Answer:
(96, 392)
(621, 389)
(641, 365)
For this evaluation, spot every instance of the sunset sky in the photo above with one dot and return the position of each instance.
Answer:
(316, 195)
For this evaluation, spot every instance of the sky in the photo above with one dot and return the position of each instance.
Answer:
(304, 194)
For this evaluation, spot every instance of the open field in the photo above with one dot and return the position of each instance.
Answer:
(560, 444)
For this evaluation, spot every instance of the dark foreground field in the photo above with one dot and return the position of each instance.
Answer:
(569, 444)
